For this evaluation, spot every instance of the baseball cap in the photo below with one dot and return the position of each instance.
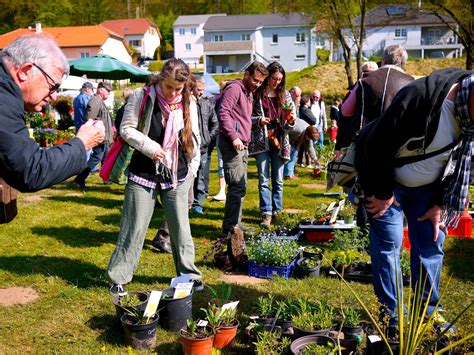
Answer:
(87, 85)
(105, 85)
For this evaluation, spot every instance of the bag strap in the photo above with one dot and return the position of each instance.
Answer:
(142, 105)
(416, 158)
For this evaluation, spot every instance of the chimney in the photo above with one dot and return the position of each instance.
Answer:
(38, 27)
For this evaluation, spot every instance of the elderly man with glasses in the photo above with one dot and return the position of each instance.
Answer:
(31, 71)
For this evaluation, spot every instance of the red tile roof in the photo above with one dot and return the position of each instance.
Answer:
(67, 37)
(137, 26)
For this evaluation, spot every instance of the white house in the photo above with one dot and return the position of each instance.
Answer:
(233, 42)
(420, 32)
(189, 37)
(140, 34)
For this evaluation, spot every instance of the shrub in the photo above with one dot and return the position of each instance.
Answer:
(323, 55)
(156, 66)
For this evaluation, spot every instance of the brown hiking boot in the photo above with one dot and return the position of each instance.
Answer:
(266, 221)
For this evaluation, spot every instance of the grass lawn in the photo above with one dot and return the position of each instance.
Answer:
(62, 239)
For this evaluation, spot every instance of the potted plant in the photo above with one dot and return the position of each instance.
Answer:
(309, 266)
(269, 257)
(347, 213)
(317, 320)
(352, 327)
(313, 345)
(227, 329)
(266, 307)
(196, 340)
(345, 260)
(175, 311)
(286, 310)
(130, 301)
(354, 239)
(220, 295)
(270, 343)
(309, 251)
(140, 331)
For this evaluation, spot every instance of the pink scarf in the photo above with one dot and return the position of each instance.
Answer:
(172, 120)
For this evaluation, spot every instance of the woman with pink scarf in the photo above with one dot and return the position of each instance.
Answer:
(160, 122)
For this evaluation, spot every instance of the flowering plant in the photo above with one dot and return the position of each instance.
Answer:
(40, 120)
(264, 250)
(45, 136)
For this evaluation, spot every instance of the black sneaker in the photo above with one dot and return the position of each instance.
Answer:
(117, 290)
(198, 286)
(82, 186)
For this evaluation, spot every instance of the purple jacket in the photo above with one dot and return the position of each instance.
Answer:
(235, 112)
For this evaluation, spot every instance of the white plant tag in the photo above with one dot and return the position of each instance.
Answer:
(335, 211)
(202, 323)
(152, 304)
(374, 338)
(254, 317)
(331, 206)
(179, 279)
(231, 305)
(183, 289)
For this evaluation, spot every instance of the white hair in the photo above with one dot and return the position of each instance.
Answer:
(35, 48)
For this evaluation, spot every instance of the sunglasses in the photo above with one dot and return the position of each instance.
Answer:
(54, 86)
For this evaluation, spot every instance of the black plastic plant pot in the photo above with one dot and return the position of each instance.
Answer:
(352, 332)
(309, 254)
(307, 271)
(139, 336)
(299, 332)
(298, 345)
(175, 311)
(285, 324)
(120, 310)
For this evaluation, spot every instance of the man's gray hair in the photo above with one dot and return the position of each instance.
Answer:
(35, 48)
(395, 55)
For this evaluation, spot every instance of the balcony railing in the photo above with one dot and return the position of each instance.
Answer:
(228, 46)
(441, 41)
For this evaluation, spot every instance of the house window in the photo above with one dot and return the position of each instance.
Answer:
(181, 32)
(300, 37)
(193, 30)
(85, 55)
(276, 57)
(274, 38)
(218, 38)
(135, 43)
(300, 57)
(400, 33)
(245, 37)
(320, 42)
(187, 46)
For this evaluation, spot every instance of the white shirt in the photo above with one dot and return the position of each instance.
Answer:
(429, 170)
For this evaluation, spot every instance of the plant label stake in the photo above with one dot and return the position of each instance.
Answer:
(183, 289)
(180, 279)
(152, 304)
(202, 323)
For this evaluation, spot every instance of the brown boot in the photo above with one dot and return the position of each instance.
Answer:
(266, 221)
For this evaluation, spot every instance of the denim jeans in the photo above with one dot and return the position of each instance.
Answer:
(97, 156)
(289, 169)
(201, 182)
(235, 173)
(386, 235)
(271, 201)
(138, 207)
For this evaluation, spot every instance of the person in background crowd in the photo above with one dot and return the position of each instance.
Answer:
(208, 127)
(319, 111)
(119, 116)
(31, 71)
(368, 67)
(96, 110)
(235, 124)
(270, 143)
(334, 111)
(408, 165)
(164, 163)
(295, 93)
(80, 104)
(304, 156)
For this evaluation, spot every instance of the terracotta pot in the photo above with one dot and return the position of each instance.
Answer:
(196, 346)
(225, 336)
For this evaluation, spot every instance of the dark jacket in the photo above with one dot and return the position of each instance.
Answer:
(414, 113)
(208, 125)
(307, 116)
(23, 164)
(235, 112)
(96, 110)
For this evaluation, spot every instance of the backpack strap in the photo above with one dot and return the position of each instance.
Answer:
(416, 158)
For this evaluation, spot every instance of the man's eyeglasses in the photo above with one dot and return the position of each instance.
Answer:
(54, 86)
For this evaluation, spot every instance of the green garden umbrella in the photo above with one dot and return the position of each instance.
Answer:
(103, 66)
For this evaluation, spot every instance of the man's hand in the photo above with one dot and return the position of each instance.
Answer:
(434, 215)
(159, 154)
(91, 133)
(238, 145)
(264, 121)
(379, 207)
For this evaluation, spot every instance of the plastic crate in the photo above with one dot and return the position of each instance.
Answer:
(267, 272)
